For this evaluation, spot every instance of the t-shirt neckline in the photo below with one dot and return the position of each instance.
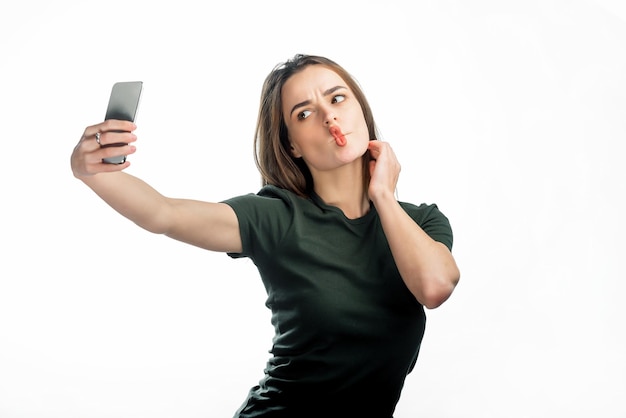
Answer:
(318, 201)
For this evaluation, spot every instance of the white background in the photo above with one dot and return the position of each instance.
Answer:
(507, 114)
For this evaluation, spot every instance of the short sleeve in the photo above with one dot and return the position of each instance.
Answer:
(432, 221)
(263, 220)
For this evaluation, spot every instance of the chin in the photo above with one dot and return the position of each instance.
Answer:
(351, 154)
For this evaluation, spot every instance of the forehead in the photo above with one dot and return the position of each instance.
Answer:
(304, 84)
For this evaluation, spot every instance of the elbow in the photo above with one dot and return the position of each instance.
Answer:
(153, 227)
(434, 300)
(159, 222)
(437, 291)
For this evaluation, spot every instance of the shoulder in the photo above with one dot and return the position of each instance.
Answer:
(265, 218)
(270, 207)
(268, 197)
(423, 211)
(431, 220)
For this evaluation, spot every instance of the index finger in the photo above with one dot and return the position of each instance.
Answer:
(375, 146)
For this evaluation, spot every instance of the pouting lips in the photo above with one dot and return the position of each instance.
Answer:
(340, 138)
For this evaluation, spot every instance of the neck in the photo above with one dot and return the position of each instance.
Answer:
(344, 189)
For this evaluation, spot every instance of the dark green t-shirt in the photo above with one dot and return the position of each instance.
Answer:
(347, 329)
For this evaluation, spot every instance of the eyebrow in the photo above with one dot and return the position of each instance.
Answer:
(307, 102)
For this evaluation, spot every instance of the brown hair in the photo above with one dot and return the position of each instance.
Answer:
(272, 156)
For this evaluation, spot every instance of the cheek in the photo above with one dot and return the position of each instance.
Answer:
(293, 136)
(303, 137)
(361, 125)
(301, 143)
(363, 132)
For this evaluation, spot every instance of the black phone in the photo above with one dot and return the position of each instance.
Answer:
(123, 104)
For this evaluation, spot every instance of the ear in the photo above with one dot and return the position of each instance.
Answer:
(294, 151)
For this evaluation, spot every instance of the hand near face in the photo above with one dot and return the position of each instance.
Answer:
(384, 171)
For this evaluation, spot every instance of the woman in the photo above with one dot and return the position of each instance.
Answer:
(347, 268)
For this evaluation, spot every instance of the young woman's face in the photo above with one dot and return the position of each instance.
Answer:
(314, 100)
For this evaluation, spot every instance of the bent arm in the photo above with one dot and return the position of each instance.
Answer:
(426, 266)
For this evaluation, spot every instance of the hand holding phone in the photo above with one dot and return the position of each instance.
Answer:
(123, 104)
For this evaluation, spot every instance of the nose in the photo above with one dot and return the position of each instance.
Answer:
(330, 118)
(328, 112)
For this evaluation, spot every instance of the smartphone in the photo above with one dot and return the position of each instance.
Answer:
(123, 104)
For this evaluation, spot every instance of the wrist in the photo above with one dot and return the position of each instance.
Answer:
(383, 197)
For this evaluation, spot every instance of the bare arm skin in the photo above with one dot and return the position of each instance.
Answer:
(426, 266)
(212, 226)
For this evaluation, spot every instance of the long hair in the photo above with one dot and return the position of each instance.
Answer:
(271, 144)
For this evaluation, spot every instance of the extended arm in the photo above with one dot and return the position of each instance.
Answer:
(212, 226)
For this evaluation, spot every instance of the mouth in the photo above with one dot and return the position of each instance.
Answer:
(338, 136)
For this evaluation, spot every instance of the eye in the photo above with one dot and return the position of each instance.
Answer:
(304, 114)
(338, 98)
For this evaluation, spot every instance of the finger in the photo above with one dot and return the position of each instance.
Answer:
(374, 148)
(115, 151)
(93, 161)
(110, 125)
(118, 125)
(374, 145)
(372, 167)
(382, 149)
(91, 143)
(109, 168)
(88, 143)
(107, 138)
